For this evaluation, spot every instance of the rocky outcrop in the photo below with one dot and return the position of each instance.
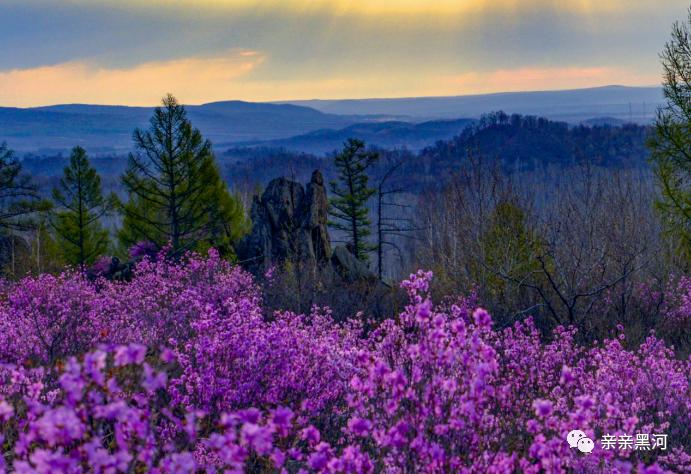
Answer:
(348, 267)
(290, 231)
(315, 217)
(289, 223)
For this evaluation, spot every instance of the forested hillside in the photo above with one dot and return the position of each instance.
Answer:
(383, 134)
(515, 143)
(525, 143)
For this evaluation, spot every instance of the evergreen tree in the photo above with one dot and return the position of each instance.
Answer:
(19, 199)
(176, 194)
(80, 206)
(671, 145)
(510, 249)
(226, 219)
(349, 206)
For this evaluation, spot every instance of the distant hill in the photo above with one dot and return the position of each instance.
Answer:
(389, 134)
(631, 104)
(108, 129)
(515, 143)
(524, 143)
(604, 121)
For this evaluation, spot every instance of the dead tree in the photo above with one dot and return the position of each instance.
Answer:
(391, 225)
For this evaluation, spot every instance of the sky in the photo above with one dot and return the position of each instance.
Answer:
(133, 52)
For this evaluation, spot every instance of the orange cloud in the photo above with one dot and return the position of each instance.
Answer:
(198, 80)
(191, 79)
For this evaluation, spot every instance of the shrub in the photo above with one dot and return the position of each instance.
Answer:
(179, 370)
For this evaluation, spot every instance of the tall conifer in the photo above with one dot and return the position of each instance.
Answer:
(176, 194)
(348, 207)
(80, 205)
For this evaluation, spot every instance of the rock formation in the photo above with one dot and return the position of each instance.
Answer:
(289, 223)
(348, 267)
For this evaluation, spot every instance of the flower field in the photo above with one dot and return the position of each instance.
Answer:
(180, 370)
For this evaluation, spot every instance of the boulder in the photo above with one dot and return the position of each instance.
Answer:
(348, 267)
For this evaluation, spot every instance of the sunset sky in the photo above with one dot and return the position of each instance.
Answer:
(133, 52)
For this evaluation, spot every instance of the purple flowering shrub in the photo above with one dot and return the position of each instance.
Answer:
(110, 413)
(180, 370)
(676, 307)
(47, 317)
(237, 360)
(662, 306)
(165, 299)
(444, 390)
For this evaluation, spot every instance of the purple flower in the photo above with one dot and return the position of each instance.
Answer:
(6, 410)
(482, 318)
(153, 380)
(281, 417)
(131, 354)
(257, 437)
(311, 435)
(542, 408)
(59, 426)
(319, 460)
(359, 426)
(424, 311)
(182, 463)
(566, 375)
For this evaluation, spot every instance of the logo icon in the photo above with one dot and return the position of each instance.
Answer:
(578, 439)
(574, 436)
(586, 445)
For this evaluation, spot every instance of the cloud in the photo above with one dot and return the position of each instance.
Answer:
(378, 7)
(232, 76)
(191, 79)
(537, 78)
(65, 51)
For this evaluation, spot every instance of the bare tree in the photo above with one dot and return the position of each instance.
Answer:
(567, 245)
(600, 234)
(391, 221)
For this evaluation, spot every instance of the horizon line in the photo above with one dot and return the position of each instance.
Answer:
(343, 99)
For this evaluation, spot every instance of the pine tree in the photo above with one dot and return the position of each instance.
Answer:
(671, 145)
(226, 219)
(349, 206)
(19, 198)
(176, 194)
(80, 206)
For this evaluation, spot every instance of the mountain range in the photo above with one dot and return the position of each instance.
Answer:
(630, 104)
(108, 129)
(318, 125)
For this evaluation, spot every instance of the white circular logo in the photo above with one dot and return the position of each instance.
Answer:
(574, 436)
(586, 445)
(578, 439)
